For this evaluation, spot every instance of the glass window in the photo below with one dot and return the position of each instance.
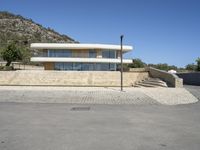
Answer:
(91, 67)
(105, 54)
(85, 66)
(77, 66)
(112, 54)
(105, 67)
(108, 54)
(67, 53)
(63, 66)
(68, 66)
(92, 54)
(59, 53)
(59, 66)
(112, 67)
(98, 67)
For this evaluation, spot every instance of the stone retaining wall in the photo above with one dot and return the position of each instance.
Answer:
(171, 79)
(70, 78)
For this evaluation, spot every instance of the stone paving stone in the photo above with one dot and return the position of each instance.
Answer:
(96, 95)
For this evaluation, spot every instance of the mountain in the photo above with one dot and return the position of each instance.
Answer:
(23, 31)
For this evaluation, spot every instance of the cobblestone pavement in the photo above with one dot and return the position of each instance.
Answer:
(74, 95)
(96, 95)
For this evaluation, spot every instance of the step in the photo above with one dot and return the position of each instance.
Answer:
(155, 80)
(145, 85)
(155, 83)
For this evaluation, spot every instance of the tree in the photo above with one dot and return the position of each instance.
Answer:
(198, 64)
(11, 53)
(191, 67)
(25, 55)
(137, 63)
(164, 66)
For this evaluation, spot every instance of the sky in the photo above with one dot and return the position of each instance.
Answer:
(160, 31)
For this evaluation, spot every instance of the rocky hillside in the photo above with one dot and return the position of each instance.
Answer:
(25, 31)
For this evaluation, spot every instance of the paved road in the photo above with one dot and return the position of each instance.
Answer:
(195, 90)
(29, 126)
(99, 127)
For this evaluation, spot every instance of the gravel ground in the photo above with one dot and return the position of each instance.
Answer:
(96, 95)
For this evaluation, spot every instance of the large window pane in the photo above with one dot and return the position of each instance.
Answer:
(85, 66)
(92, 54)
(105, 54)
(59, 66)
(112, 54)
(77, 66)
(91, 67)
(98, 67)
(59, 53)
(112, 67)
(108, 54)
(68, 66)
(67, 53)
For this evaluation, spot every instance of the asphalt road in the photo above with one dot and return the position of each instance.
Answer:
(32, 126)
(195, 90)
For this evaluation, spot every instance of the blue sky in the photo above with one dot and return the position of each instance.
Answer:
(161, 31)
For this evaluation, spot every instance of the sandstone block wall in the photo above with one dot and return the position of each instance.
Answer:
(70, 78)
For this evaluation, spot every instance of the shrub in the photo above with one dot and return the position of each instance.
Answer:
(137, 63)
(198, 64)
(191, 67)
(11, 53)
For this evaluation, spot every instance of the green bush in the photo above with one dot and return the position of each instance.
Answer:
(164, 66)
(137, 63)
(11, 53)
(198, 64)
(191, 67)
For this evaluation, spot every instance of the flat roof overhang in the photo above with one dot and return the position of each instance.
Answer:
(41, 46)
(80, 60)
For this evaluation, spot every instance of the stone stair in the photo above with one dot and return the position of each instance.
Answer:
(151, 82)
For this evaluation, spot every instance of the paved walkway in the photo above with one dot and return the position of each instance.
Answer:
(96, 95)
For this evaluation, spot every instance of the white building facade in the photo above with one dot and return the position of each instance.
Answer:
(79, 57)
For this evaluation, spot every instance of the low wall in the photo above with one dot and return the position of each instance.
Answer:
(138, 70)
(171, 79)
(70, 78)
(190, 78)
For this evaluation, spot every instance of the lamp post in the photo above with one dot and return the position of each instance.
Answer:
(121, 40)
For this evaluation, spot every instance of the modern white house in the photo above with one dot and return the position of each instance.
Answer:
(79, 57)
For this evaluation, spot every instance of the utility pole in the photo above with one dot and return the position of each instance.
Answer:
(121, 55)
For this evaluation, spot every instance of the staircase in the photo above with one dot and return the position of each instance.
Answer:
(151, 82)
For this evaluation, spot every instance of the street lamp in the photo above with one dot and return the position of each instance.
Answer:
(121, 40)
